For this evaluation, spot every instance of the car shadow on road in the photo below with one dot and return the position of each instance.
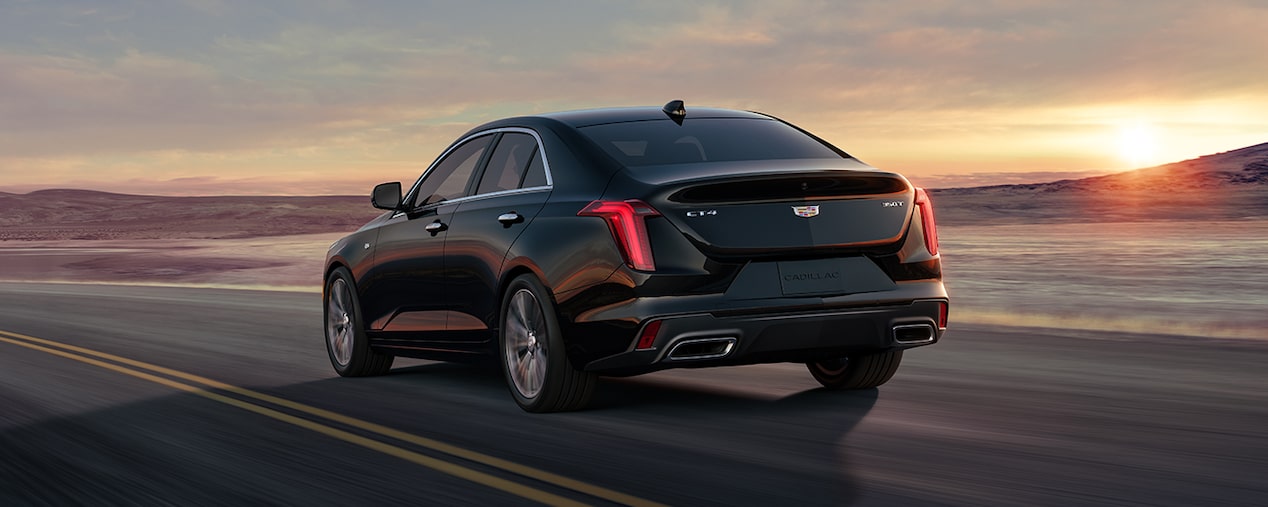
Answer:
(676, 443)
(800, 439)
(726, 445)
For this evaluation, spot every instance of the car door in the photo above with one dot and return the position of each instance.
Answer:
(405, 300)
(511, 191)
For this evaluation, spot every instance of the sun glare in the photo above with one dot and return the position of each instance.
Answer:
(1137, 144)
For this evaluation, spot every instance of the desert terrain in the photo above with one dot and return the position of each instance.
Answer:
(88, 236)
(60, 214)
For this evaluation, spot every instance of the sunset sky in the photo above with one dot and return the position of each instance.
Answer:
(329, 97)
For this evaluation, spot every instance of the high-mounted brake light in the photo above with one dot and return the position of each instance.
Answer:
(926, 220)
(627, 221)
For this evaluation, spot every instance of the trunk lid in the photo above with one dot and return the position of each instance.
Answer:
(787, 212)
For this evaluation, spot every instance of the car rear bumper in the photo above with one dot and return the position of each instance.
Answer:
(764, 336)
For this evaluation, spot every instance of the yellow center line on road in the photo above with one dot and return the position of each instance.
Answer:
(420, 459)
(52, 347)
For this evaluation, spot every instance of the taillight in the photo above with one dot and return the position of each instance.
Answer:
(926, 220)
(942, 315)
(627, 221)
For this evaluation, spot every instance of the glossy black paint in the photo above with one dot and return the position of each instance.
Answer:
(436, 293)
(476, 249)
(408, 263)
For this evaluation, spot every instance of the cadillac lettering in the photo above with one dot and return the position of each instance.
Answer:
(812, 276)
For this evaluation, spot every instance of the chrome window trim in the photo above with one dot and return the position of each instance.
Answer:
(479, 197)
(499, 193)
(541, 148)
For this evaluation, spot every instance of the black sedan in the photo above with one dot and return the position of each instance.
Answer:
(623, 241)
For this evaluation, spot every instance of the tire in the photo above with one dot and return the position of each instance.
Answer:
(532, 354)
(346, 343)
(859, 371)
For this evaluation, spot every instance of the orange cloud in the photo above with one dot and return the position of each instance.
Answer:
(337, 92)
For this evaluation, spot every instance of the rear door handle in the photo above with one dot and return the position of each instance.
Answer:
(436, 227)
(510, 218)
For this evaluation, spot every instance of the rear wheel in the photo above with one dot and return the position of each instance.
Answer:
(534, 362)
(346, 343)
(858, 371)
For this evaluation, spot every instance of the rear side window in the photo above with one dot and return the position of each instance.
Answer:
(536, 175)
(509, 162)
(660, 142)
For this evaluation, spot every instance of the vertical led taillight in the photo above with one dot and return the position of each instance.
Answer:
(925, 207)
(627, 221)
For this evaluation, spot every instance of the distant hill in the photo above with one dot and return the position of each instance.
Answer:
(1225, 186)
(86, 214)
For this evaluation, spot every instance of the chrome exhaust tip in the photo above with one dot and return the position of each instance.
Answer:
(911, 334)
(702, 348)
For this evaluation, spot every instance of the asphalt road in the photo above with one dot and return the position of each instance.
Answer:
(176, 396)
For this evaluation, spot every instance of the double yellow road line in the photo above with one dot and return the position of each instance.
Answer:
(319, 421)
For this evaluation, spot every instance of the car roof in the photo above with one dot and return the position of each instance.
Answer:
(589, 117)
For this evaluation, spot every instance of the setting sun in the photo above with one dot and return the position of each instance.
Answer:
(1137, 144)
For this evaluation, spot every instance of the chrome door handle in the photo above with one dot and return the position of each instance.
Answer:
(510, 218)
(435, 227)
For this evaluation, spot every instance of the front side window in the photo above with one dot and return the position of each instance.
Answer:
(450, 177)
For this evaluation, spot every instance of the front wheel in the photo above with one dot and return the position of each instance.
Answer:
(346, 343)
(534, 362)
(857, 371)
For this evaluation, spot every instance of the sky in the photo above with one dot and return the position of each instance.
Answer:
(215, 97)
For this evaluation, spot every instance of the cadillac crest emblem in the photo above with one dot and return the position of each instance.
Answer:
(806, 211)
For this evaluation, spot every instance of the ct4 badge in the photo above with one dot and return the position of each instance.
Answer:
(806, 211)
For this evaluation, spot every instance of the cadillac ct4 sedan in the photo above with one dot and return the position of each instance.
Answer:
(623, 241)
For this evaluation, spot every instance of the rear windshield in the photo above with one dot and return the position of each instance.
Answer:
(660, 142)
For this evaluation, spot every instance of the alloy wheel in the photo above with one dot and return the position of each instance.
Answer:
(526, 343)
(339, 322)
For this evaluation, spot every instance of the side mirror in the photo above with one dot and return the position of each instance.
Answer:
(386, 196)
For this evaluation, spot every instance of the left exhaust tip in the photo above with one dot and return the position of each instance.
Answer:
(909, 334)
